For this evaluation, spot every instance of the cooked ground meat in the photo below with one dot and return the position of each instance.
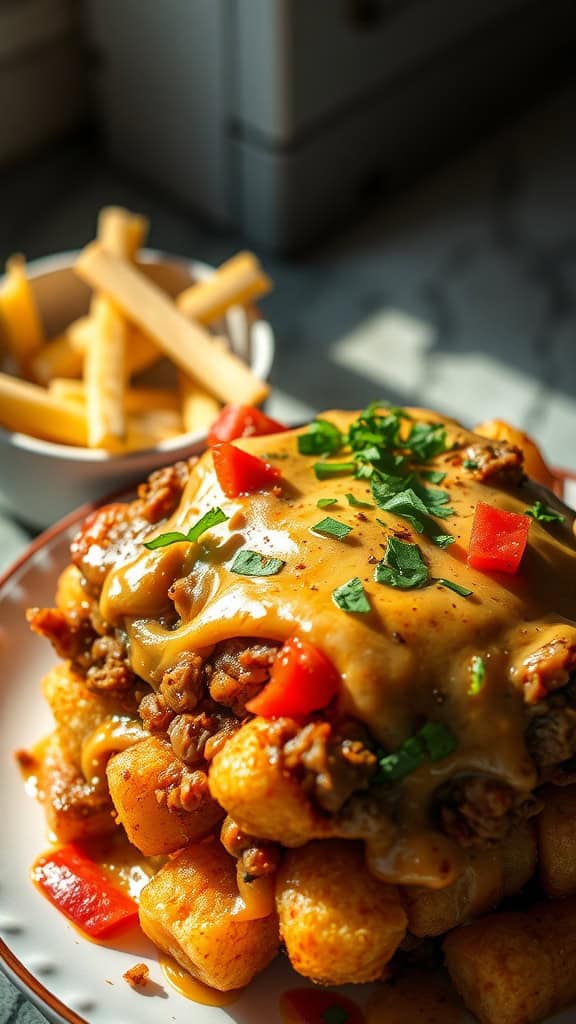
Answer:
(114, 531)
(551, 735)
(155, 713)
(190, 734)
(259, 857)
(183, 686)
(332, 763)
(72, 641)
(238, 669)
(547, 669)
(479, 811)
(110, 668)
(497, 463)
(181, 789)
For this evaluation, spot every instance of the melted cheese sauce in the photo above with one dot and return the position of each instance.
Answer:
(193, 989)
(409, 658)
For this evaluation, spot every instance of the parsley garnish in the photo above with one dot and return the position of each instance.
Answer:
(351, 596)
(323, 438)
(356, 503)
(433, 476)
(402, 566)
(426, 440)
(463, 591)
(470, 464)
(251, 563)
(543, 513)
(410, 506)
(323, 470)
(433, 742)
(326, 502)
(332, 528)
(208, 520)
(477, 675)
(335, 1015)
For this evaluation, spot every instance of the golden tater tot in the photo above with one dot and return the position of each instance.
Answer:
(187, 909)
(77, 710)
(338, 922)
(516, 968)
(417, 997)
(488, 876)
(74, 809)
(556, 826)
(258, 793)
(140, 779)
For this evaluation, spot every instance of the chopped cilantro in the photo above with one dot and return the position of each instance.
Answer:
(351, 596)
(470, 464)
(332, 528)
(426, 440)
(463, 591)
(323, 438)
(323, 470)
(410, 506)
(356, 503)
(251, 563)
(477, 675)
(402, 566)
(543, 513)
(326, 502)
(206, 522)
(433, 476)
(434, 741)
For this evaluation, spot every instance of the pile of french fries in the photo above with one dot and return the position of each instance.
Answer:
(84, 387)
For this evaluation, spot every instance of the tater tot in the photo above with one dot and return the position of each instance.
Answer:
(488, 876)
(150, 823)
(74, 809)
(516, 968)
(338, 922)
(77, 710)
(556, 826)
(248, 779)
(187, 909)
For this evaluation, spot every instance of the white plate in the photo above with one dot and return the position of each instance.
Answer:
(71, 980)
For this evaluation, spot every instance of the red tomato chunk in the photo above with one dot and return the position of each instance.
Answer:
(239, 472)
(242, 421)
(82, 892)
(302, 680)
(498, 539)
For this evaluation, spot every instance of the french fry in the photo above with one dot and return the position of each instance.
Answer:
(19, 314)
(122, 232)
(58, 358)
(199, 409)
(237, 281)
(104, 376)
(187, 344)
(141, 352)
(136, 400)
(30, 409)
(146, 429)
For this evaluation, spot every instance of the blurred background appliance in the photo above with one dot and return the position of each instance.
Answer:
(277, 117)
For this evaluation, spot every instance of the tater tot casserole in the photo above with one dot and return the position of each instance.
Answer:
(323, 680)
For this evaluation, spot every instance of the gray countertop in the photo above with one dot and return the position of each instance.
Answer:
(460, 295)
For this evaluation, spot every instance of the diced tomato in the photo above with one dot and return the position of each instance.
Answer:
(302, 680)
(82, 892)
(239, 472)
(498, 539)
(242, 421)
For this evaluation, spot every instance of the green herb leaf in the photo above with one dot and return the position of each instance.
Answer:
(470, 464)
(332, 528)
(356, 503)
(463, 591)
(206, 522)
(434, 741)
(402, 566)
(426, 440)
(410, 506)
(326, 502)
(252, 563)
(439, 741)
(433, 476)
(351, 596)
(323, 438)
(543, 513)
(477, 675)
(335, 1015)
(323, 470)
(402, 762)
